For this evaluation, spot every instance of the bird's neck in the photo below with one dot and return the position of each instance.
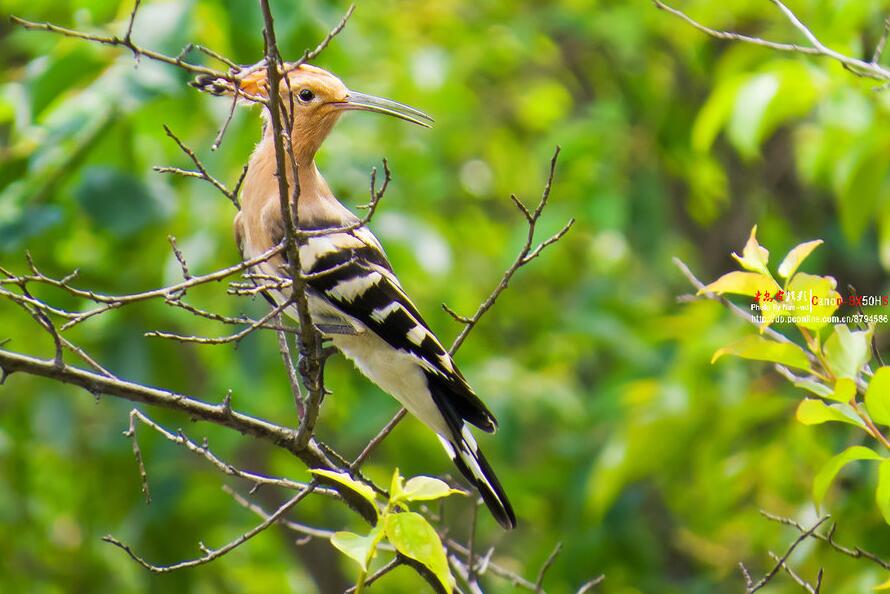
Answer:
(316, 205)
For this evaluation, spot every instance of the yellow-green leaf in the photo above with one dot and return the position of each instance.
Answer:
(413, 537)
(426, 488)
(754, 257)
(395, 486)
(360, 549)
(742, 283)
(809, 286)
(816, 412)
(846, 351)
(882, 494)
(826, 475)
(347, 481)
(763, 349)
(877, 397)
(844, 390)
(796, 257)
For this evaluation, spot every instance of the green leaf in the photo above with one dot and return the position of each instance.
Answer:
(844, 390)
(826, 475)
(347, 481)
(883, 586)
(786, 90)
(360, 549)
(877, 397)
(396, 485)
(413, 537)
(796, 257)
(746, 126)
(882, 494)
(714, 113)
(755, 257)
(810, 286)
(741, 283)
(762, 349)
(816, 412)
(847, 351)
(426, 488)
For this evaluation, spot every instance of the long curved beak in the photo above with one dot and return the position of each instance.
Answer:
(364, 102)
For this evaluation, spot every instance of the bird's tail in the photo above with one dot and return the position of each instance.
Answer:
(468, 458)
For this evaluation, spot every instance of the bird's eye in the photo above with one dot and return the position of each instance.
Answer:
(306, 95)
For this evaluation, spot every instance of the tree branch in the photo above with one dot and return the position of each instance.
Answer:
(211, 554)
(872, 70)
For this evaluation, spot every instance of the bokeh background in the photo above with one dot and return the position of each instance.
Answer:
(618, 437)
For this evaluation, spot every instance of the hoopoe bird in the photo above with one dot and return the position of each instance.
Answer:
(359, 305)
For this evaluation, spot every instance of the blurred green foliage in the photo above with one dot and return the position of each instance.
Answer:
(617, 435)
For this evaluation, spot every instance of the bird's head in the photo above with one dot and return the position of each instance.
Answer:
(314, 99)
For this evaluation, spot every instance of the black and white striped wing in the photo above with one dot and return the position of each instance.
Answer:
(350, 271)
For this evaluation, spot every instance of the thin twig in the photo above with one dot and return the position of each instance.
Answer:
(231, 338)
(539, 583)
(871, 69)
(288, 360)
(882, 42)
(289, 524)
(204, 451)
(854, 552)
(802, 582)
(137, 453)
(311, 55)
(211, 554)
(387, 429)
(526, 255)
(750, 589)
(202, 170)
(219, 414)
(113, 40)
(588, 586)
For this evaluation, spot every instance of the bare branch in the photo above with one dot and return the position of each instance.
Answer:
(526, 255)
(231, 338)
(129, 32)
(289, 524)
(539, 583)
(202, 173)
(387, 429)
(112, 40)
(871, 69)
(396, 562)
(803, 583)
(311, 55)
(137, 453)
(203, 450)
(288, 361)
(854, 552)
(220, 414)
(751, 588)
(588, 586)
(211, 554)
(183, 265)
(882, 42)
